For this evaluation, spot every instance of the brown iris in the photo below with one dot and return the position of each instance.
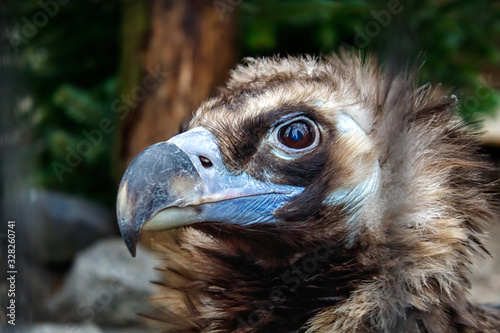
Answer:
(296, 135)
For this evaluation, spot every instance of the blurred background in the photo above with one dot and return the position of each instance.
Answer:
(86, 85)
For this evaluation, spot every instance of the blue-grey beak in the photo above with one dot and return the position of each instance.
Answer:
(184, 181)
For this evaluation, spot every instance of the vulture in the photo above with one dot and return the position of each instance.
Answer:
(317, 195)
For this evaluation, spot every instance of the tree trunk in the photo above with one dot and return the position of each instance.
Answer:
(170, 64)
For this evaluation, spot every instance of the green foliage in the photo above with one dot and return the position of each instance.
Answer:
(458, 40)
(71, 65)
(72, 62)
(80, 141)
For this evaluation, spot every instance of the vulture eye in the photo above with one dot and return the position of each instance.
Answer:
(296, 135)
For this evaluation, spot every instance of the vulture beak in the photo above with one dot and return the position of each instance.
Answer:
(184, 181)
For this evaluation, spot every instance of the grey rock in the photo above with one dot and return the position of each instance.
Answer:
(127, 330)
(60, 225)
(58, 328)
(106, 286)
(71, 328)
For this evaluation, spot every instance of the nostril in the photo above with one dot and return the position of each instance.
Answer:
(206, 162)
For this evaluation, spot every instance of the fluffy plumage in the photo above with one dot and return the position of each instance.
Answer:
(386, 232)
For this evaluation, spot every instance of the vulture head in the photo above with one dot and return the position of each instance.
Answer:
(316, 196)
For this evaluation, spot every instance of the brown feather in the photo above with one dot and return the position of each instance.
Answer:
(402, 266)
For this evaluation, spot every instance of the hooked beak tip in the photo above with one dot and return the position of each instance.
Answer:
(131, 238)
(131, 246)
(129, 234)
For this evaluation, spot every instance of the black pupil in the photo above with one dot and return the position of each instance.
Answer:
(297, 135)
